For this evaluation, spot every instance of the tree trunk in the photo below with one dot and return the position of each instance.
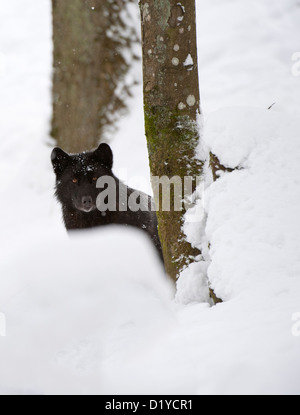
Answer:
(89, 68)
(171, 106)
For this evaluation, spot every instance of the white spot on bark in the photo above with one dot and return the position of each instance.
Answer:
(191, 100)
(149, 52)
(175, 61)
(176, 48)
(161, 39)
(175, 84)
(181, 30)
(146, 13)
(189, 28)
(183, 8)
(181, 106)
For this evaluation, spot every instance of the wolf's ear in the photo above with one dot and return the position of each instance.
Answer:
(104, 155)
(60, 160)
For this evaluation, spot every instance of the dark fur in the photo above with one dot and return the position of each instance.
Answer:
(78, 200)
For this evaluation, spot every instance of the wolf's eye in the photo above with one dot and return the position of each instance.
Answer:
(95, 179)
(75, 180)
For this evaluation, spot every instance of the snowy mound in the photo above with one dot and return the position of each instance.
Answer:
(71, 304)
(253, 213)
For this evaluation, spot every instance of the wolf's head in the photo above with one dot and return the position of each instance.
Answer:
(77, 175)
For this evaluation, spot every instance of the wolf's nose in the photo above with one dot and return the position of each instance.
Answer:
(87, 201)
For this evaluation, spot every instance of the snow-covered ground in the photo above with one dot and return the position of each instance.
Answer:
(95, 314)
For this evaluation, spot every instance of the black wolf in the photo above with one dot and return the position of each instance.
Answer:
(80, 194)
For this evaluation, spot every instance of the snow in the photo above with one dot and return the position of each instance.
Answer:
(245, 53)
(296, 65)
(189, 60)
(67, 311)
(254, 211)
(95, 314)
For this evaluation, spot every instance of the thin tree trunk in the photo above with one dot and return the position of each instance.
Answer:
(171, 107)
(88, 37)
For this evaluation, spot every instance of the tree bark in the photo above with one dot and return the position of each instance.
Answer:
(171, 107)
(89, 67)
